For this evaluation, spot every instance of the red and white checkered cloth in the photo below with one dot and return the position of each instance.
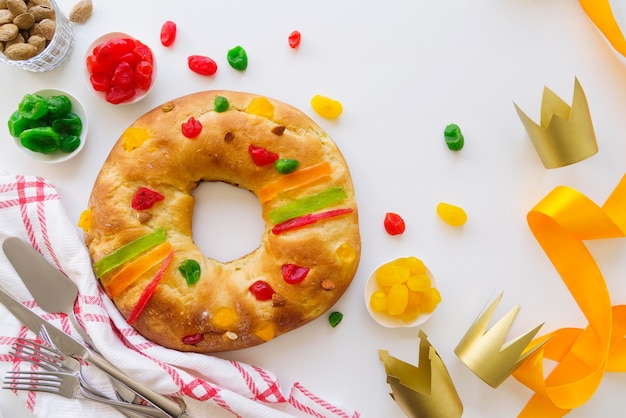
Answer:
(30, 208)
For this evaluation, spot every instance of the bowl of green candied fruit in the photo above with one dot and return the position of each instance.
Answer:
(49, 125)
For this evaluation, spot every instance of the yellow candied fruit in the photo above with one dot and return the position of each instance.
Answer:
(405, 289)
(397, 299)
(392, 273)
(225, 317)
(346, 253)
(261, 106)
(378, 301)
(326, 107)
(452, 215)
(431, 299)
(134, 137)
(419, 283)
(85, 220)
(266, 331)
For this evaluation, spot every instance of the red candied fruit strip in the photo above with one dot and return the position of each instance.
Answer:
(192, 339)
(308, 219)
(148, 292)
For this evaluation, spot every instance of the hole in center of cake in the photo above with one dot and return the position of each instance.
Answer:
(227, 221)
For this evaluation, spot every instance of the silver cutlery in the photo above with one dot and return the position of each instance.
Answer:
(72, 348)
(67, 385)
(53, 291)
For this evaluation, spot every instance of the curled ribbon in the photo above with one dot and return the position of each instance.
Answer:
(601, 14)
(560, 223)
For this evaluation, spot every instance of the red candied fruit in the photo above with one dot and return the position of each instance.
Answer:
(262, 156)
(191, 128)
(192, 339)
(168, 33)
(202, 65)
(394, 224)
(145, 198)
(294, 39)
(294, 274)
(120, 66)
(261, 290)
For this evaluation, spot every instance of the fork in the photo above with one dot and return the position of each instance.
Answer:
(52, 360)
(69, 386)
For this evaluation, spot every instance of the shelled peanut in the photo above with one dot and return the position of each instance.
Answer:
(26, 27)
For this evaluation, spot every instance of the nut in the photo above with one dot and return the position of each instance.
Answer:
(328, 284)
(17, 7)
(40, 3)
(47, 28)
(42, 12)
(24, 21)
(81, 11)
(20, 51)
(39, 41)
(6, 16)
(8, 31)
(278, 300)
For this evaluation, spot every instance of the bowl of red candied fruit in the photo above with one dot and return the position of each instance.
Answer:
(401, 293)
(119, 68)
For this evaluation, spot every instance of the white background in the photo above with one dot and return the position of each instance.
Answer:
(403, 71)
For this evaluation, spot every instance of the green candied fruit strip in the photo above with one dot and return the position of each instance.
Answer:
(221, 104)
(33, 106)
(128, 251)
(69, 124)
(190, 269)
(454, 137)
(43, 139)
(237, 58)
(307, 204)
(58, 106)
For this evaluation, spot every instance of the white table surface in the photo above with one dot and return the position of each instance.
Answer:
(403, 71)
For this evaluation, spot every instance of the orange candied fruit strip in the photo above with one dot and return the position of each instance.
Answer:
(133, 270)
(296, 179)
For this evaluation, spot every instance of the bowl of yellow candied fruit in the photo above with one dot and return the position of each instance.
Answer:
(401, 293)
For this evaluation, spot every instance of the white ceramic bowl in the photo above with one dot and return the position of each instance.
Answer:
(59, 156)
(140, 94)
(383, 318)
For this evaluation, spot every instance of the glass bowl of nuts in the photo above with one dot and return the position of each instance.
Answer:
(49, 125)
(34, 35)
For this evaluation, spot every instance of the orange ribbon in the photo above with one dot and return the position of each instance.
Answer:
(560, 223)
(600, 13)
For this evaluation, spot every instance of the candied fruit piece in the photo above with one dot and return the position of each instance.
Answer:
(453, 136)
(85, 220)
(413, 307)
(378, 301)
(225, 317)
(431, 299)
(419, 283)
(134, 137)
(390, 274)
(266, 331)
(346, 252)
(326, 107)
(397, 299)
(261, 106)
(451, 214)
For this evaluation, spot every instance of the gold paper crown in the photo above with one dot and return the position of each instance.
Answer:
(565, 134)
(425, 390)
(486, 354)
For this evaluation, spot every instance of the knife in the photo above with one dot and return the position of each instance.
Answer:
(70, 347)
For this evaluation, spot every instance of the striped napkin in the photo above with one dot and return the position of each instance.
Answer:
(30, 208)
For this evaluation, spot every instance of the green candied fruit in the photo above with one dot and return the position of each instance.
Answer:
(237, 58)
(69, 143)
(190, 269)
(307, 204)
(33, 106)
(221, 104)
(18, 124)
(286, 165)
(69, 124)
(335, 318)
(454, 137)
(128, 251)
(58, 106)
(42, 139)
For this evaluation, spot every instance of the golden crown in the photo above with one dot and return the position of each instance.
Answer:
(486, 353)
(565, 134)
(425, 390)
